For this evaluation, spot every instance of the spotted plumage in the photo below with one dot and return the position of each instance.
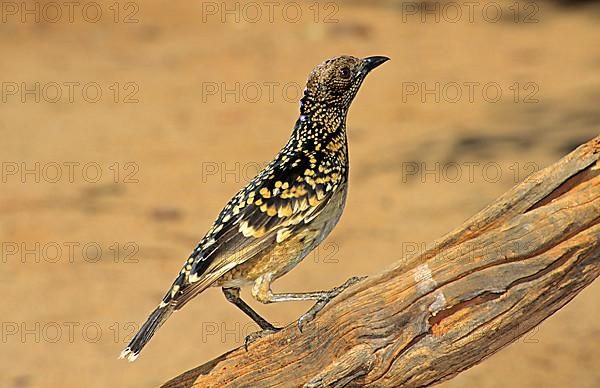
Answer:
(270, 225)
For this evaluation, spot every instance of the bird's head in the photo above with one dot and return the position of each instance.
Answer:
(334, 83)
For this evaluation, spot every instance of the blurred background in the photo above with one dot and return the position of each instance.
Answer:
(126, 126)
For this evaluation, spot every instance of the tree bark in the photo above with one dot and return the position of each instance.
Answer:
(434, 315)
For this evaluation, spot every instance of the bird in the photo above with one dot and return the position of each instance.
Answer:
(282, 214)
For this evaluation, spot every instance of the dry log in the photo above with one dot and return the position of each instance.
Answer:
(428, 318)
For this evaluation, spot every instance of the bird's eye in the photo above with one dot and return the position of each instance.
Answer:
(345, 72)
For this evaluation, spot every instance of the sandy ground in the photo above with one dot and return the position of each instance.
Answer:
(103, 197)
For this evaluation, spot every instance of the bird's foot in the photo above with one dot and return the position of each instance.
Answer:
(259, 334)
(321, 303)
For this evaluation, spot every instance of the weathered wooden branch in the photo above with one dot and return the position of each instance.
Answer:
(430, 317)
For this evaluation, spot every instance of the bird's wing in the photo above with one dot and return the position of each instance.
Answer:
(281, 200)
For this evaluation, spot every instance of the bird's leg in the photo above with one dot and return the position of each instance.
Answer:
(262, 292)
(314, 310)
(233, 296)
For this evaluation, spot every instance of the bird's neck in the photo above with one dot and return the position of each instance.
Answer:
(323, 133)
(319, 116)
(320, 129)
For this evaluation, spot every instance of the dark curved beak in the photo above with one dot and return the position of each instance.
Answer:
(369, 63)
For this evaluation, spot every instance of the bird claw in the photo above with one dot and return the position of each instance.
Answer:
(259, 334)
(321, 303)
(312, 313)
(349, 283)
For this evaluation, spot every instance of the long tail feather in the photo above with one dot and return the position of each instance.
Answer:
(152, 324)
